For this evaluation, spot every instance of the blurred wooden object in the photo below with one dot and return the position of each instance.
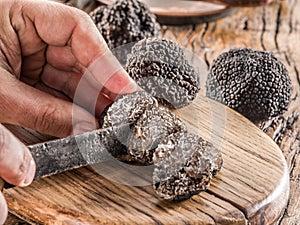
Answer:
(172, 12)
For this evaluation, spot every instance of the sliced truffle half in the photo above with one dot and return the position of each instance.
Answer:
(150, 129)
(184, 166)
(125, 110)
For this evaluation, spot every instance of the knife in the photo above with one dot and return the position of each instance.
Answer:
(72, 152)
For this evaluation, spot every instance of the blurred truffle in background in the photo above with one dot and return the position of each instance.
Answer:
(125, 22)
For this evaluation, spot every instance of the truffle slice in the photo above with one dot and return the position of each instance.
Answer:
(161, 68)
(184, 166)
(151, 128)
(125, 22)
(254, 83)
(125, 110)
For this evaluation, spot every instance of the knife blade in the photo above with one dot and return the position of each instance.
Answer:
(72, 152)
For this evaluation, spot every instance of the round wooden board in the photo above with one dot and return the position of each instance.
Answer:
(251, 188)
(172, 12)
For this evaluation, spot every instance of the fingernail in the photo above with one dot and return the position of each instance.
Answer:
(30, 174)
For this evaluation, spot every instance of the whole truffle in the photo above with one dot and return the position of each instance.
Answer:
(151, 128)
(125, 22)
(161, 68)
(254, 83)
(125, 110)
(184, 166)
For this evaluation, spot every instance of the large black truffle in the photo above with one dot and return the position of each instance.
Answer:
(254, 83)
(125, 22)
(184, 166)
(151, 128)
(161, 68)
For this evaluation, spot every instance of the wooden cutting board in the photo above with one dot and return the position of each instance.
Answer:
(251, 188)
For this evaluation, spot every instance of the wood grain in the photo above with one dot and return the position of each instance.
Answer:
(275, 28)
(252, 186)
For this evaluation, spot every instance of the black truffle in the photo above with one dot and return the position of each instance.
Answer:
(125, 22)
(161, 68)
(152, 127)
(125, 110)
(128, 108)
(254, 83)
(184, 166)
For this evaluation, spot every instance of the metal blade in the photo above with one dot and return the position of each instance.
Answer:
(71, 152)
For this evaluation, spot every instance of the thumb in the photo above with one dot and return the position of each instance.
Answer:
(17, 166)
(3, 209)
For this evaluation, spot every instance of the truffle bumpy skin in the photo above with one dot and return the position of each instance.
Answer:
(161, 68)
(151, 128)
(254, 83)
(125, 110)
(184, 166)
(125, 22)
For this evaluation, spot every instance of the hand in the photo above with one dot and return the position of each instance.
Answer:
(45, 48)
(17, 166)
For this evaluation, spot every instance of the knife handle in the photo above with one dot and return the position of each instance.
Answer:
(5, 185)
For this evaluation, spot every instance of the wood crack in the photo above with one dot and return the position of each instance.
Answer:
(278, 21)
(263, 30)
(297, 75)
(291, 13)
(242, 210)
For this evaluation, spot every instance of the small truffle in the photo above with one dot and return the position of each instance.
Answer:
(161, 68)
(184, 166)
(125, 110)
(152, 127)
(254, 83)
(125, 22)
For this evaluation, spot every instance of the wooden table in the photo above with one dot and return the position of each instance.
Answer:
(274, 28)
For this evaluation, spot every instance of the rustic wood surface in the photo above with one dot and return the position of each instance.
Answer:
(274, 28)
(253, 185)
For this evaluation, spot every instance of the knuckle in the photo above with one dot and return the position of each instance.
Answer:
(18, 172)
(3, 209)
(51, 120)
(45, 118)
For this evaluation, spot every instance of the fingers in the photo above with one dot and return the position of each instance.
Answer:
(62, 58)
(74, 45)
(107, 72)
(79, 45)
(26, 106)
(3, 209)
(64, 26)
(17, 166)
(78, 88)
